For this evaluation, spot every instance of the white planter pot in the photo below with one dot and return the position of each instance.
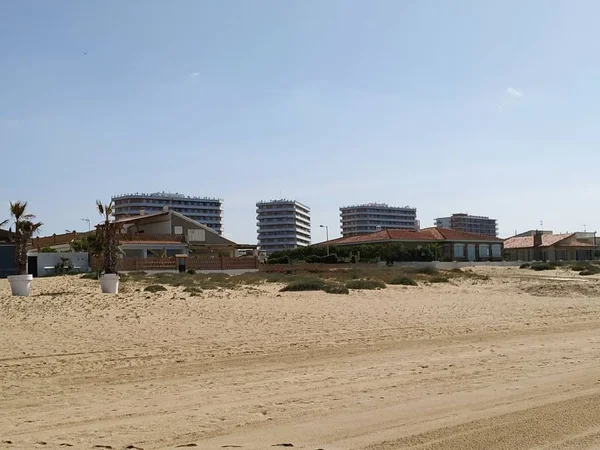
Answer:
(109, 283)
(20, 284)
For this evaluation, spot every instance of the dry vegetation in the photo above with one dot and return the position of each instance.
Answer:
(334, 281)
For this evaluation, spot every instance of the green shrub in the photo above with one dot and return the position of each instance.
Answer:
(155, 288)
(439, 279)
(328, 259)
(539, 266)
(191, 272)
(403, 281)
(365, 284)
(309, 284)
(525, 266)
(336, 289)
(281, 260)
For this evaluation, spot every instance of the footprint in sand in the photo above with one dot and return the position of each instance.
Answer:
(108, 447)
(133, 447)
(282, 445)
(187, 445)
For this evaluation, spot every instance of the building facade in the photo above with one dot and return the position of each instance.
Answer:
(455, 245)
(207, 211)
(469, 224)
(545, 246)
(371, 217)
(282, 225)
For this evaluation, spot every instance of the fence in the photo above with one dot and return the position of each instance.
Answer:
(170, 264)
(317, 267)
(222, 263)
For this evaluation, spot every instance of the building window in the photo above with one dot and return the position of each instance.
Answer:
(484, 251)
(459, 250)
(496, 251)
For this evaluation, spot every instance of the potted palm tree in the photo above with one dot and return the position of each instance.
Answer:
(25, 227)
(107, 237)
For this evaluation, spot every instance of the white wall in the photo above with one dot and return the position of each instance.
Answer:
(51, 259)
(455, 264)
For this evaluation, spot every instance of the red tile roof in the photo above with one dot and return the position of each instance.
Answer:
(433, 234)
(451, 235)
(548, 240)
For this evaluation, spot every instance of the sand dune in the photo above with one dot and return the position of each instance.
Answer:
(508, 363)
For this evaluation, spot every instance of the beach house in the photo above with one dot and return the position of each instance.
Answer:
(538, 245)
(456, 245)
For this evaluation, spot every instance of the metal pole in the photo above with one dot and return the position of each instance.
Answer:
(327, 236)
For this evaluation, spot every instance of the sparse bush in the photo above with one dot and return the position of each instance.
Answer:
(193, 291)
(336, 289)
(155, 288)
(132, 276)
(191, 272)
(542, 266)
(365, 284)
(403, 281)
(525, 266)
(423, 270)
(439, 279)
(590, 270)
(578, 267)
(309, 284)
(89, 276)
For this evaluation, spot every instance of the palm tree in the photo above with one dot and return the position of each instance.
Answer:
(25, 227)
(108, 238)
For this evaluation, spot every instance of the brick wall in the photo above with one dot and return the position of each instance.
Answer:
(149, 264)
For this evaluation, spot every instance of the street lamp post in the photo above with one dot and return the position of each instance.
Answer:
(327, 235)
(89, 224)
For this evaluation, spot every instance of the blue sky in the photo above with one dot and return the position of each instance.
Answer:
(489, 108)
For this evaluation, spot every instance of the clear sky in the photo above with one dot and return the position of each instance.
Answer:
(486, 107)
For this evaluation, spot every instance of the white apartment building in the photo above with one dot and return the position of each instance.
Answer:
(372, 217)
(282, 225)
(207, 211)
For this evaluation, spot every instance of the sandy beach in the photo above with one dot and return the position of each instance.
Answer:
(508, 363)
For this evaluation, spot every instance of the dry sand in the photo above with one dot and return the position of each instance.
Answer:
(509, 363)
